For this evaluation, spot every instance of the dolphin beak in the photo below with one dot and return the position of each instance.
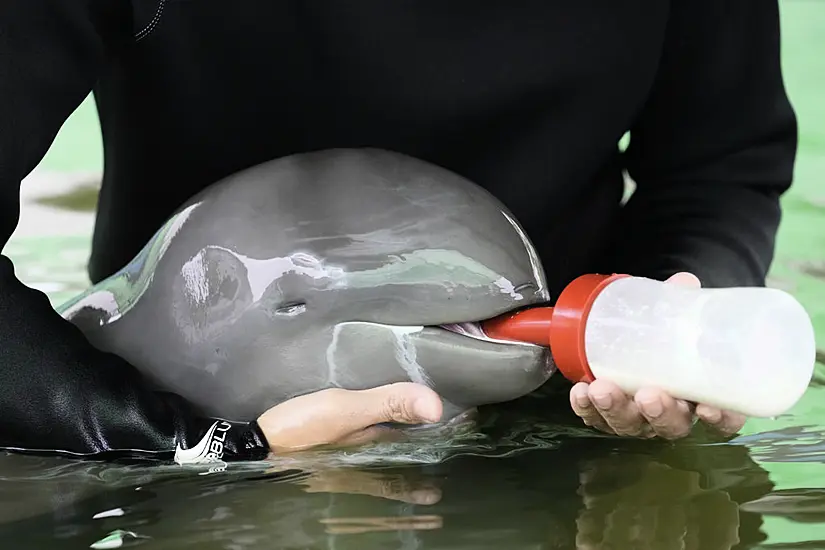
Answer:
(470, 369)
(465, 367)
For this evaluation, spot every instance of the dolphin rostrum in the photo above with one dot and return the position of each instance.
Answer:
(340, 268)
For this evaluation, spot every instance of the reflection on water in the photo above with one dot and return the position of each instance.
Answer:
(801, 505)
(525, 475)
(565, 492)
(793, 444)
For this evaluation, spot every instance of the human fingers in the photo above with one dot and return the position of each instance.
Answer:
(668, 417)
(585, 409)
(617, 409)
(725, 422)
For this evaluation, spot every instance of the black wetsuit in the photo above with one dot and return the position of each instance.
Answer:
(528, 98)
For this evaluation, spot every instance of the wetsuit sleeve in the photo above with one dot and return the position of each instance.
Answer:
(712, 150)
(57, 392)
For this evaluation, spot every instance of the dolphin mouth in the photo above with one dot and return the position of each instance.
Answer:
(472, 329)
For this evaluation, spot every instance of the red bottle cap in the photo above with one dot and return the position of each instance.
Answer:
(561, 328)
(569, 322)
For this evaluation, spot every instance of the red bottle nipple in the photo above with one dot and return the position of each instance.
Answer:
(561, 328)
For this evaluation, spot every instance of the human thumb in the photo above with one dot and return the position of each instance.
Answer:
(335, 414)
(402, 402)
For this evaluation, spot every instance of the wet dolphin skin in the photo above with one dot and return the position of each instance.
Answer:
(339, 268)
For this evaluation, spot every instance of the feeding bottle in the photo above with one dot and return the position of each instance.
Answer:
(746, 349)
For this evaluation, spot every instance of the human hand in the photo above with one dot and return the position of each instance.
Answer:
(650, 412)
(347, 417)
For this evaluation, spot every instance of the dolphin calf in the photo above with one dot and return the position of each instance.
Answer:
(347, 268)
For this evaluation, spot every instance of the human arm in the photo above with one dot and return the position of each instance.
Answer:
(58, 394)
(712, 150)
(711, 153)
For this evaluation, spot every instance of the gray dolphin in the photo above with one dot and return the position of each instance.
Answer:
(339, 268)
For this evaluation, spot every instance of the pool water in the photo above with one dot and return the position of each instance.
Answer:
(528, 476)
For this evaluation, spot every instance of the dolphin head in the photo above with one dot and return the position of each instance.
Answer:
(340, 268)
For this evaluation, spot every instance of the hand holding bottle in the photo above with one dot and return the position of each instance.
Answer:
(640, 350)
(650, 412)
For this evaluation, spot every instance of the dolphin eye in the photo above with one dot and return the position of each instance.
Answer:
(292, 309)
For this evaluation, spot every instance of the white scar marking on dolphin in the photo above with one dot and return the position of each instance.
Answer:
(332, 367)
(507, 287)
(407, 357)
(405, 353)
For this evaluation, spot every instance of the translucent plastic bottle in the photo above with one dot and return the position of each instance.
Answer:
(750, 350)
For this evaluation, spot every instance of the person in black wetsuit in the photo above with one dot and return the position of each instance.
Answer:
(527, 98)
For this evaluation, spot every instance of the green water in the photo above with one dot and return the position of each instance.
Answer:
(529, 478)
